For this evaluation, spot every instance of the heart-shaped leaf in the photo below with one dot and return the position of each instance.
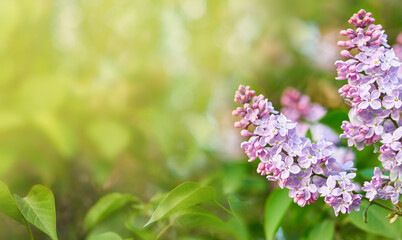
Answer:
(38, 208)
(106, 206)
(183, 196)
(8, 205)
(276, 206)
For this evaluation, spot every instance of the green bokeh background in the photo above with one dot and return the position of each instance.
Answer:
(136, 96)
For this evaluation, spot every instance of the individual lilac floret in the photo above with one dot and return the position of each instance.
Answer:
(361, 40)
(345, 177)
(388, 60)
(287, 167)
(330, 188)
(292, 161)
(393, 100)
(283, 125)
(370, 100)
(392, 138)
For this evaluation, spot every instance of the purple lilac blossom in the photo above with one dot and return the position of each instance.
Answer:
(373, 91)
(304, 167)
(298, 108)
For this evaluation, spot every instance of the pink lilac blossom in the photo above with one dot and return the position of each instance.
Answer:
(373, 91)
(300, 109)
(304, 167)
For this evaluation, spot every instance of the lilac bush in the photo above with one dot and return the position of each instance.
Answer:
(313, 168)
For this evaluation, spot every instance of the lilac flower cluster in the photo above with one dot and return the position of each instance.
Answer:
(306, 168)
(375, 95)
(298, 108)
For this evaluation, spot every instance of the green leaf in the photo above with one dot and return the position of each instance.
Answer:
(377, 223)
(238, 225)
(183, 196)
(322, 231)
(135, 227)
(275, 208)
(8, 205)
(236, 206)
(366, 173)
(238, 229)
(334, 119)
(106, 206)
(105, 236)
(114, 222)
(38, 208)
(199, 218)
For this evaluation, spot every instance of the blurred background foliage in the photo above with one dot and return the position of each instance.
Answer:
(102, 96)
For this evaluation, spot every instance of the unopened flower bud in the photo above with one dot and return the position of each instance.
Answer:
(237, 125)
(361, 13)
(346, 54)
(376, 34)
(359, 30)
(341, 43)
(246, 133)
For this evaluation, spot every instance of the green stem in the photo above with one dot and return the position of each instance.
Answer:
(320, 175)
(383, 206)
(29, 229)
(225, 209)
(365, 212)
(394, 122)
